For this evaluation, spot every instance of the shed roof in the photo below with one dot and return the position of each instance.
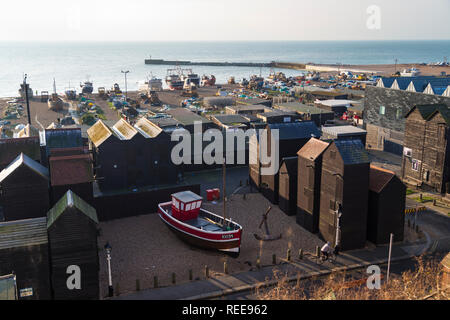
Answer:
(301, 108)
(251, 107)
(187, 196)
(186, 117)
(313, 149)
(340, 131)
(379, 178)
(165, 122)
(23, 233)
(99, 133)
(124, 130)
(71, 169)
(296, 130)
(147, 128)
(230, 118)
(11, 148)
(427, 111)
(24, 160)
(336, 102)
(352, 151)
(63, 138)
(70, 200)
(291, 165)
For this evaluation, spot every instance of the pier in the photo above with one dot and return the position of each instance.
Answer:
(211, 64)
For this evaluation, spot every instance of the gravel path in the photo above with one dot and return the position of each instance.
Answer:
(144, 247)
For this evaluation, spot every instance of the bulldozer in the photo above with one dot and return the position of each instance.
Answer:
(189, 90)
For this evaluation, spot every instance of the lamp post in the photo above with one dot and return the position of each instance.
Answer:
(25, 87)
(338, 213)
(126, 87)
(108, 250)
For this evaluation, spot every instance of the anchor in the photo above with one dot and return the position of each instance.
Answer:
(267, 236)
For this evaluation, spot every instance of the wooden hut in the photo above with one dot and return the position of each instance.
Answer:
(71, 172)
(344, 194)
(62, 138)
(288, 186)
(24, 253)
(24, 187)
(387, 195)
(72, 227)
(309, 183)
(426, 145)
(291, 137)
(11, 148)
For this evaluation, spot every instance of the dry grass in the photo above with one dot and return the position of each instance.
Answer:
(420, 284)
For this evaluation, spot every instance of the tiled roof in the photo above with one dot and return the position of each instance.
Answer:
(147, 128)
(379, 178)
(73, 169)
(313, 149)
(296, 130)
(352, 151)
(23, 233)
(70, 200)
(23, 159)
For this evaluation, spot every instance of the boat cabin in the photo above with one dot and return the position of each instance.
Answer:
(186, 205)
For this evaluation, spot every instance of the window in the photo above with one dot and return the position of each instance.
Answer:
(382, 110)
(176, 203)
(415, 164)
(182, 206)
(407, 152)
(398, 114)
(188, 207)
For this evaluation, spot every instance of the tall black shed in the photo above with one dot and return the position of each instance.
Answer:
(288, 186)
(24, 190)
(345, 190)
(387, 195)
(72, 226)
(24, 252)
(309, 183)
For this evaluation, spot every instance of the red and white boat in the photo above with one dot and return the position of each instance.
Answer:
(199, 227)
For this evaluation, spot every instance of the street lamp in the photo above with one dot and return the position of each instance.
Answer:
(126, 88)
(108, 250)
(338, 213)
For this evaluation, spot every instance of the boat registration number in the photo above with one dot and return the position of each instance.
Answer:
(227, 236)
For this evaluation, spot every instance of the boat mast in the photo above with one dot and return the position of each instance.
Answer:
(224, 192)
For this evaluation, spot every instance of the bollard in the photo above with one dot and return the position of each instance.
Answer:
(288, 255)
(225, 267)
(274, 259)
(117, 291)
(155, 282)
(174, 279)
(317, 251)
(300, 254)
(206, 272)
(191, 276)
(138, 285)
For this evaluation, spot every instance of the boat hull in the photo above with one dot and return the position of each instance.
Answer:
(228, 241)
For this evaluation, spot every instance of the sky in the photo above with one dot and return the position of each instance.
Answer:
(223, 20)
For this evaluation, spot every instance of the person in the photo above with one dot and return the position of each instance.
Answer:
(326, 250)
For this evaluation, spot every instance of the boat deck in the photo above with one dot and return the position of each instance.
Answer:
(200, 223)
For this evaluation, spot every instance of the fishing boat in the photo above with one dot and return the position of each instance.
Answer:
(173, 79)
(151, 84)
(208, 81)
(55, 103)
(71, 93)
(22, 91)
(412, 72)
(87, 87)
(199, 227)
(187, 74)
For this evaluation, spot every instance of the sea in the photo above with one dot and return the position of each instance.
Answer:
(71, 63)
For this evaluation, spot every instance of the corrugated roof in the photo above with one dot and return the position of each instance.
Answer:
(99, 133)
(352, 151)
(63, 138)
(147, 128)
(343, 130)
(313, 149)
(11, 148)
(23, 233)
(72, 169)
(124, 130)
(379, 178)
(70, 200)
(23, 159)
(296, 130)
